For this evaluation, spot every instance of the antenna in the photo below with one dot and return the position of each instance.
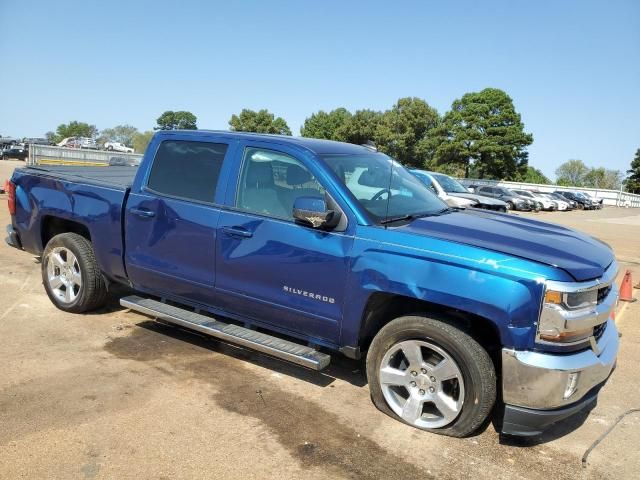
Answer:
(394, 143)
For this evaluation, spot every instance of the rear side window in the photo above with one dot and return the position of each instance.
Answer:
(188, 170)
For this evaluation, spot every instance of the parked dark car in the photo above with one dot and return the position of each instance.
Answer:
(572, 203)
(20, 153)
(512, 199)
(582, 203)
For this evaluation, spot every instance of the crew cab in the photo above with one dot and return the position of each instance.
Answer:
(266, 242)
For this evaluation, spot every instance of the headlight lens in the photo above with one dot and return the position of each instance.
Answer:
(554, 300)
(572, 301)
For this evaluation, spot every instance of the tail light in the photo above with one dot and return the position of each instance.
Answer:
(10, 188)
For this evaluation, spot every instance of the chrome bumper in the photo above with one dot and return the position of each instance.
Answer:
(542, 381)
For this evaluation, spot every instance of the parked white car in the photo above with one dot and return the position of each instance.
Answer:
(562, 205)
(118, 147)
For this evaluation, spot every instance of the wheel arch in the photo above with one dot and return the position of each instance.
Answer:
(52, 225)
(382, 308)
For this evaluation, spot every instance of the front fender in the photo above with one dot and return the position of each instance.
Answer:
(504, 289)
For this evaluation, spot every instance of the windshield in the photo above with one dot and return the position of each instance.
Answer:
(523, 193)
(385, 196)
(448, 184)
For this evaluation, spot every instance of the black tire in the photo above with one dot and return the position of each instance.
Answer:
(473, 361)
(510, 206)
(580, 206)
(92, 293)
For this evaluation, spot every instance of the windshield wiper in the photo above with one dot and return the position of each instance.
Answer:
(411, 216)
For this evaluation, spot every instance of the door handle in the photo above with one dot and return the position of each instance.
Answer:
(143, 213)
(237, 232)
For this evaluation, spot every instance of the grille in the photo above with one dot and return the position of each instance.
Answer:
(603, 292)
(598, 330)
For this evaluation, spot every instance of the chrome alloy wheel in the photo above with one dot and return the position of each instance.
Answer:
(63, 274)
(422, 384)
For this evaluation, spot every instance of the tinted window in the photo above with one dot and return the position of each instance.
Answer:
(271, 181)
(187, 169)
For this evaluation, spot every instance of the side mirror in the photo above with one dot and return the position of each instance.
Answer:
(312, 212)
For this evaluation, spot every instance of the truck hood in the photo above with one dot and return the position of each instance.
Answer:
(478, 198)
(580, 255)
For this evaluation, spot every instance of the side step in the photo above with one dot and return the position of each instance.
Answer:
(290, 351)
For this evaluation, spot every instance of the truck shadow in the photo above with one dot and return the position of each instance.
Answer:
(342, 368)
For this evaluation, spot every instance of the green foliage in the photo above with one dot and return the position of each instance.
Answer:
(51, 137)
(73, 129)
(326, 125)
(120, 133)
(633, 182)
(397, 132)
(484, 131)
(603, 178)
(261, 121)
(180, 120)
(533, 175)
(140, 140)
(360, 128)
(401, 130)
(572, 173)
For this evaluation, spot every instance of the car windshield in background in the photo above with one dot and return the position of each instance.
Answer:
(448, 184)
(386, 193)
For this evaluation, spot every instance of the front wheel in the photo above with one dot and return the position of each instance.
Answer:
(510, 206)
(71, 275)
(431, 375)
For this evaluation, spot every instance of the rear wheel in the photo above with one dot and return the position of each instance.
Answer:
(431, 375)
(71, 275)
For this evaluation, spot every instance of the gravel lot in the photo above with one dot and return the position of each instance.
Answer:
(114, 395)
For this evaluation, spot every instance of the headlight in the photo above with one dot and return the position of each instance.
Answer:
(562, 301)
(571, 310)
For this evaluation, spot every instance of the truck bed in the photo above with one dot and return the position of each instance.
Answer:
(111, 176)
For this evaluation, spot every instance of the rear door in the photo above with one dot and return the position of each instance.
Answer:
(171, 219)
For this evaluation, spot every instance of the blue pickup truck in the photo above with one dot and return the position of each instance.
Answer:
(302, 248)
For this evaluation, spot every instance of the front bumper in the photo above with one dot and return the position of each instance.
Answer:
(545, 382)
(527, 422)
(13, 239)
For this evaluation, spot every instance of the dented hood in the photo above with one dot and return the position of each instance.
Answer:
(579, 254)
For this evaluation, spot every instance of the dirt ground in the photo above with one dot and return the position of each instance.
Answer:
(114, 395)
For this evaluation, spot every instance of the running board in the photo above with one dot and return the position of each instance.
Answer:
(290, 351)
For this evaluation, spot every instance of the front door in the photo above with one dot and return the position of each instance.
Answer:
(171, 220)
(270, 268)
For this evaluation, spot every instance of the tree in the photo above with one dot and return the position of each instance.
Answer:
(51, 137)
(261, 121)
(533, 175)
(603, 178)
(73, 129)
(360, 128)
(326, 125)
(401, 130)
(572, 173)
(120, 133)
(484, 131)
(141, 140)
(633, 181)
(181, 120)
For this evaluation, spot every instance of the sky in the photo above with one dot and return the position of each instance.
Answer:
(571, 67)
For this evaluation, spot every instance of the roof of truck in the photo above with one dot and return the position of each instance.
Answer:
(314, 144)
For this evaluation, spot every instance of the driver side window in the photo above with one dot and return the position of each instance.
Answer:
(271, 181)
